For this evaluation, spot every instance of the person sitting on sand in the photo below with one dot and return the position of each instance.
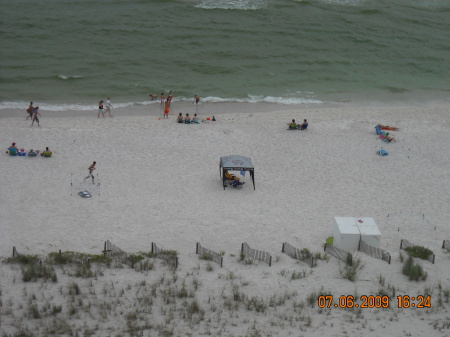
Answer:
(230, 176)
(292, 125)
(46, 152)
(195, 119)
(304, 125)
(13, 150)
(213, 119)
(389, 138)
(187, 119)
(13, 146)
(180, 118)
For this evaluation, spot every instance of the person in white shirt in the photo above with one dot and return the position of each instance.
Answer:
(108, 107)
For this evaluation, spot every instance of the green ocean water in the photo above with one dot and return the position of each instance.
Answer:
(69, 54)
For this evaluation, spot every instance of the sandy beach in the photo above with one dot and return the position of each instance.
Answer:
(159, 181)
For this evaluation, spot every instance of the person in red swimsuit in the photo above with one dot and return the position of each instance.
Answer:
(166, 108)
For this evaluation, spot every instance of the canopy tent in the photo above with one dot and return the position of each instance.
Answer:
(236, 163)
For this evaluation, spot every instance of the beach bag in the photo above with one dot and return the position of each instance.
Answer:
(84, 194)
(382, 152)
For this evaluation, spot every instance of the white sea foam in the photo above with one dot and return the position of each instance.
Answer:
(68, 77)
(209, 99)
(233, 4)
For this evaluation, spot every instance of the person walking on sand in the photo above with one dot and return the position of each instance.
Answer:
(30, 110)
(35, 116)
(91, 169)
(100, 109)
(108, 107)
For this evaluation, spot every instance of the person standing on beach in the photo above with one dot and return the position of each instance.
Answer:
(91, 169)
(35, 116)
(163, 98)
(166, 109)
(30, 110)
(196, 99)
(100, 109)
(170, 96)
(108, 107)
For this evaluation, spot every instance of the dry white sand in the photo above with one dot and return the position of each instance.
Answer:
(160, 182)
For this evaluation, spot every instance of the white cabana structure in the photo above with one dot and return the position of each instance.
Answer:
(236, 163)
(348, 231)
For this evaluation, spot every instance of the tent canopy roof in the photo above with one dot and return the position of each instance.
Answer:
(236, 163)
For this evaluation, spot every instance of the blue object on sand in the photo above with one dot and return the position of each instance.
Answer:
(382, 152)
(378, 130)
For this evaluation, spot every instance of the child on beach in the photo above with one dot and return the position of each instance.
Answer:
(91, 169)
(35, 116)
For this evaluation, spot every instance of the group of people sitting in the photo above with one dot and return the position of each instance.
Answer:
(294, 126)
(14, 151)
(188, 120)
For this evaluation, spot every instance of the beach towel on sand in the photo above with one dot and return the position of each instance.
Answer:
(387, 127)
